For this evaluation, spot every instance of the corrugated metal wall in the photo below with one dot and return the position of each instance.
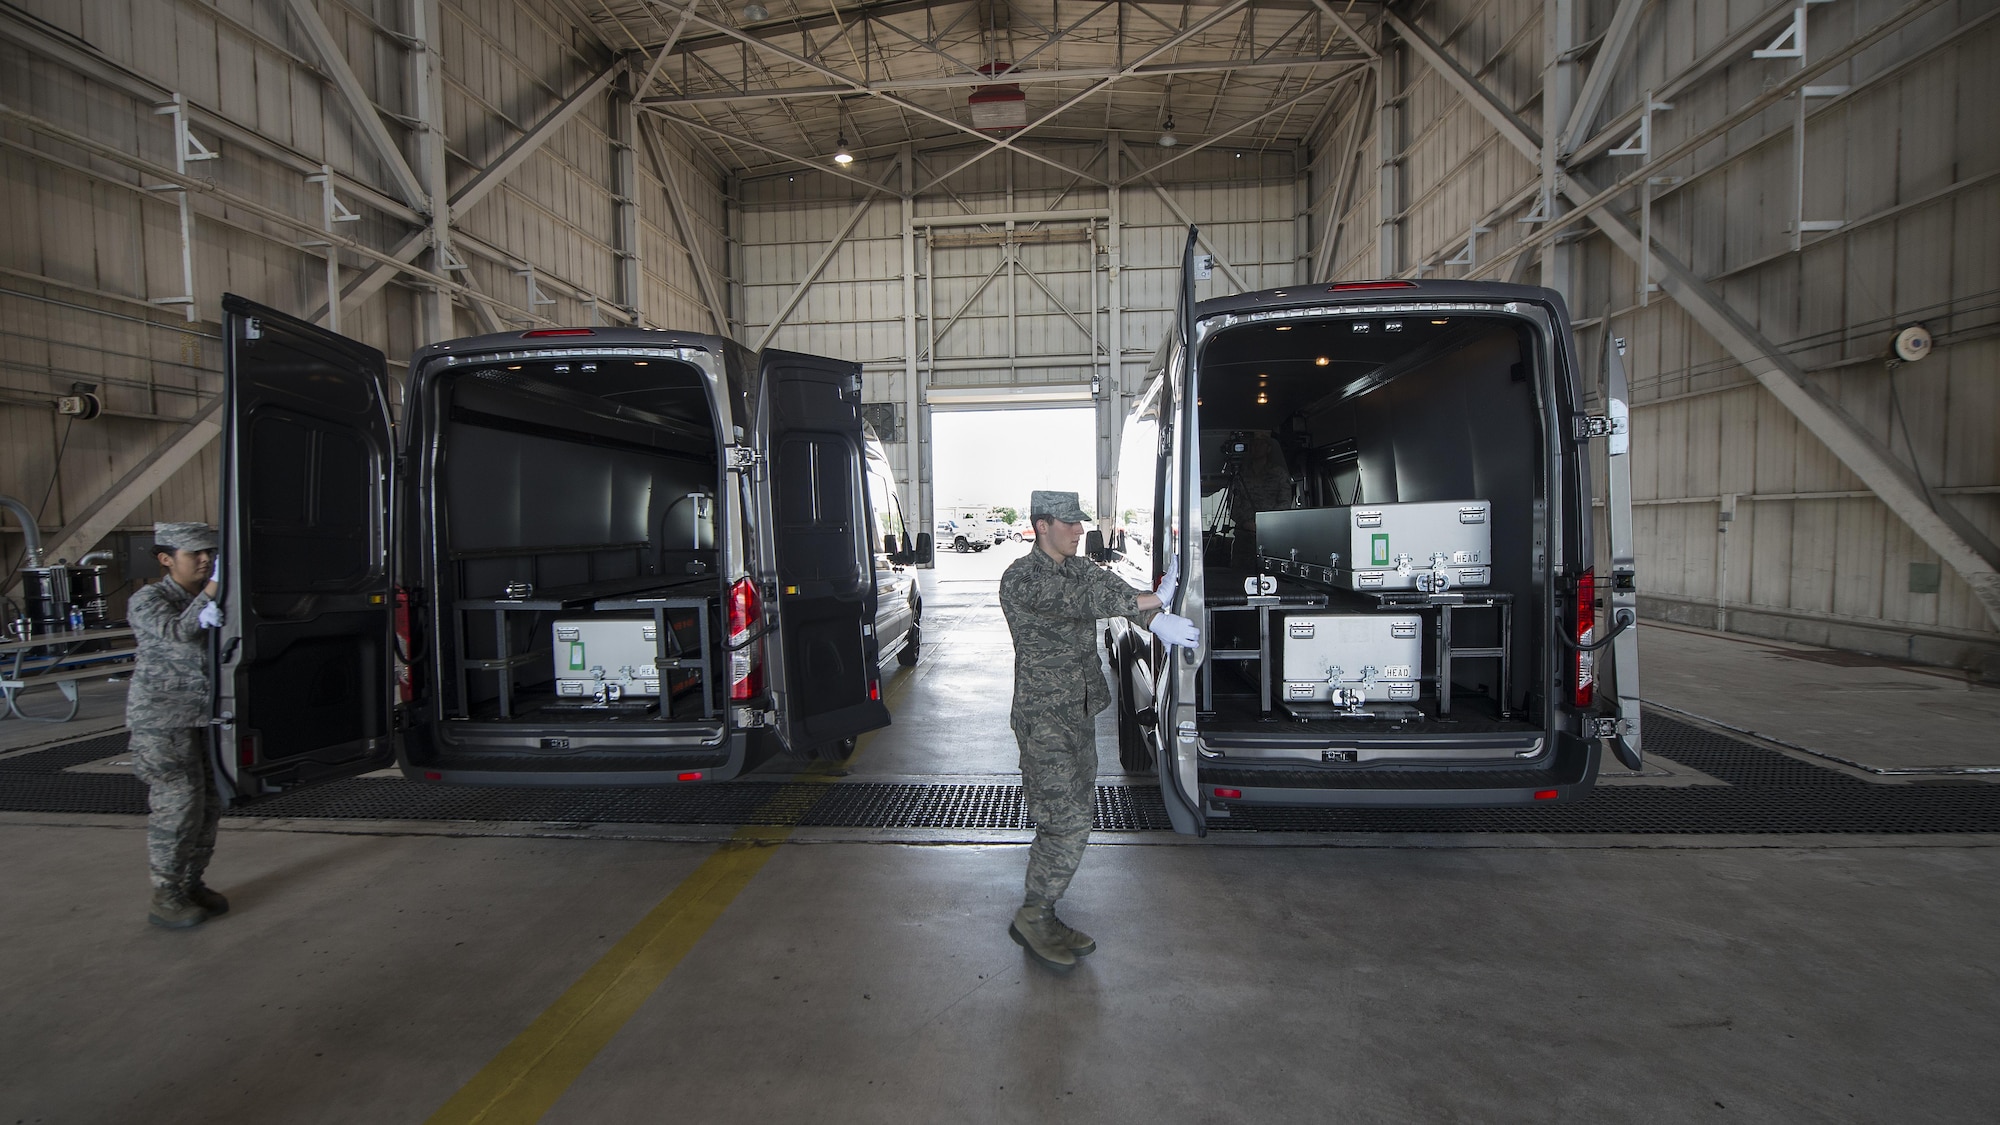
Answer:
(1906, 155)
(87, 246)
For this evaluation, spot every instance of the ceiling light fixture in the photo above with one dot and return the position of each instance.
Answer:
(1262, 398)
(841, 156)
(752, 13)
(1167, 138)
(1322, 361)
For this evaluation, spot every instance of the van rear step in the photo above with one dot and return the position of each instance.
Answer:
(1448, 779)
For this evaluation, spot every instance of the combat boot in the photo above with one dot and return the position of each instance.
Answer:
(173, 909)
(1079, 943)
(1035, 929)
(206, 897)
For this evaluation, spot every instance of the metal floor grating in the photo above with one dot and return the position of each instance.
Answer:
(1765, 793)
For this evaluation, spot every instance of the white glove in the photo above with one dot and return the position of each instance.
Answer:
(211, 616)
(1170, 581)
(1175, 630)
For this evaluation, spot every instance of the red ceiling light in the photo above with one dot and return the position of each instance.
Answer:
(1000, 108)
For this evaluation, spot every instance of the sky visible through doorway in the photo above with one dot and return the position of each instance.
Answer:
(991, 458)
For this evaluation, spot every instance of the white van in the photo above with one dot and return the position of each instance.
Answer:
(1379, 495)
(963, 530)
(601, 555)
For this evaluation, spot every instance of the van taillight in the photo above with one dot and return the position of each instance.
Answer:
(1351, 286)
(1586, 630)
(746, 661)
(540, 333)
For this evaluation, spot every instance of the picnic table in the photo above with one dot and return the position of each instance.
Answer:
(62, 658)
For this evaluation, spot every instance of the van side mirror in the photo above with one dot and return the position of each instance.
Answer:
(922, 555)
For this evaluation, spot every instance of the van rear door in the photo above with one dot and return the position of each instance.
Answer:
(816, 550)
(1624, 599)
(305, 683)
(1174, 700)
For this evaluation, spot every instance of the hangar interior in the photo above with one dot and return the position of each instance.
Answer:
(1784, 215)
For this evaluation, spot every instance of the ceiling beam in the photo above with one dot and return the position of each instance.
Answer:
(1610, 55)
(528, 143)
(711, 296)
(798, 294)
(365, 114)
(1028, 78)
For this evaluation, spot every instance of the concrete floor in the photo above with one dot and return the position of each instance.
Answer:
(377, 972)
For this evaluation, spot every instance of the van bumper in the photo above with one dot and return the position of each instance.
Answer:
(1569, 775)
(671, 766)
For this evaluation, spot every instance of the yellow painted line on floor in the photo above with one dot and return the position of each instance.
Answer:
(527, 1077)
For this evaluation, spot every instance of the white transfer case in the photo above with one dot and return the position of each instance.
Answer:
(604, 661)
(1349, 659)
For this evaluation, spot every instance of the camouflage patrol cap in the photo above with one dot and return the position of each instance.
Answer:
(185, 536)
(1062, 506)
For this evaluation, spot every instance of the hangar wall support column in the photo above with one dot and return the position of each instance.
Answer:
(434, 313)
(913, 396)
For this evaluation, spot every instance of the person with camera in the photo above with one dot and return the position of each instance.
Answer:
(1053, 601)
(167, 709)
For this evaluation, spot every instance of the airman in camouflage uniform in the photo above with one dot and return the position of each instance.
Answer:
(167, 709)
(1053, 600)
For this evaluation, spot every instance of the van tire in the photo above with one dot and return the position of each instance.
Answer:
(960, 545)
(908, 657)
(837, 751)
(1133, 753)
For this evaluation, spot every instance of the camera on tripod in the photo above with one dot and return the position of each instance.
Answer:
(1235, 451)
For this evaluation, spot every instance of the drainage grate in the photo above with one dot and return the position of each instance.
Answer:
(1765, 793)
(63, 757)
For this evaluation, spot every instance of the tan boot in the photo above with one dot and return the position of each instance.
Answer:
(1034, 929)
(1079, 943)
(204, 896)
(173, 910)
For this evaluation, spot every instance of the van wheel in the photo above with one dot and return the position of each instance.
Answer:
(960, 545)
(1133, 754)
(908, 657)
(839, 751)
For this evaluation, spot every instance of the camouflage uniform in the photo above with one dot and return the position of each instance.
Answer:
(167, 709)
(1052, 610)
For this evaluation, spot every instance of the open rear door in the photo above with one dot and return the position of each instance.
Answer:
(1624, 574)
(824, 677)
(1174, 687)
(305, 679)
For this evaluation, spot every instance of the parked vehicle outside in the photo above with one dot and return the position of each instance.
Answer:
(964, 530)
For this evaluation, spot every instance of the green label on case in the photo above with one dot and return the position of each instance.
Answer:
(1378, 550)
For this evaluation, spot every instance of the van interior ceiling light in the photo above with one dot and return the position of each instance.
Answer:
(1321, 361)
(841, 156)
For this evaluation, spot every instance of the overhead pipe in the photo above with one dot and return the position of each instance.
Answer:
(28, 527)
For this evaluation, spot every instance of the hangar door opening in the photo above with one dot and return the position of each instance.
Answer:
(986, 461)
